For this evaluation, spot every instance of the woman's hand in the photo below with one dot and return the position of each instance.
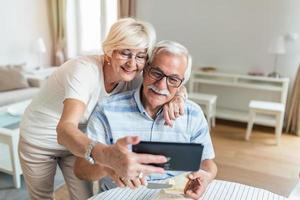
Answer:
(129, 165)
(173, 109)
(123, 182)
(132, 183)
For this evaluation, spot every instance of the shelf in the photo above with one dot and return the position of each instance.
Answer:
(243, 116)
(238, 76)
(234, 92)
(241, 85)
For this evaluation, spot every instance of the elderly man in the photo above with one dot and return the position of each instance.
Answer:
(139, 113)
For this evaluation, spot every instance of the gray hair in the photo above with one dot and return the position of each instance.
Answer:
(173, 48)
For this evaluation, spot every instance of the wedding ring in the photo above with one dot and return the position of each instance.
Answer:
(140, 175)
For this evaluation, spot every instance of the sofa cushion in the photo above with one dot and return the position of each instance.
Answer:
(12, 77)
(13, 96)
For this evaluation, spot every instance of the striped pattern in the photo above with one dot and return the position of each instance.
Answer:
(229, 191)
(124, 115)
(217, 190)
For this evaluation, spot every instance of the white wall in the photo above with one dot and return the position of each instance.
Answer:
(21, 23)
(233, 35)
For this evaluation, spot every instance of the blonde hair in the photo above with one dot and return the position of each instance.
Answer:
(174, 48)
(129, 33)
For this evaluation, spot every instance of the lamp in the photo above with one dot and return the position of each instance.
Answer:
(40, 49)
(291, 36)
(277, 48)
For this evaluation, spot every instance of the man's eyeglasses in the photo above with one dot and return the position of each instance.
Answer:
(157, 75)
(126, 54)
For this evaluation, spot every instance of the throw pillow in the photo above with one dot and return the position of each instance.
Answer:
(11, 77)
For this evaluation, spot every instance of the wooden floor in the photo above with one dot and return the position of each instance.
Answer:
(258, 162)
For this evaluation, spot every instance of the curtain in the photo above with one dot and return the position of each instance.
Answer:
(126, 8)
(293, 112)
(58, 17)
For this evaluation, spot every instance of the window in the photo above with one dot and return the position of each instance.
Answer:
(88, 23)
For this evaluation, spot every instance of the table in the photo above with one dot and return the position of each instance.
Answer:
(217, 190)
(10, 117)
(234, 92)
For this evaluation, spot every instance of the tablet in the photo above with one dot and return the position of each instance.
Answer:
(181, 156)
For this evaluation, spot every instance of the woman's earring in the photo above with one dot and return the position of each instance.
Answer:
(107, 60)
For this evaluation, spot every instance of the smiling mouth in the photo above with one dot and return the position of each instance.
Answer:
(128, 71)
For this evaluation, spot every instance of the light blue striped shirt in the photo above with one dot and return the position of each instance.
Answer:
(123, 115)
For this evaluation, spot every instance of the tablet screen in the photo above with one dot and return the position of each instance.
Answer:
(181, 156)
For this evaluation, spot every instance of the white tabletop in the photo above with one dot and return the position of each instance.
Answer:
(12, 113)
(217, 190)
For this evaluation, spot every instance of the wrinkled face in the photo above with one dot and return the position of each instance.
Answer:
(162, 78)
(127, 63)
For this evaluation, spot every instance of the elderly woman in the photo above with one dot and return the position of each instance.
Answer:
(53, 126)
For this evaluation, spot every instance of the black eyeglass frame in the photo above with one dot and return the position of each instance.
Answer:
(150, 68)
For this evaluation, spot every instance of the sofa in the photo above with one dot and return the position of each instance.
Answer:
(16, 95)
(17, 84)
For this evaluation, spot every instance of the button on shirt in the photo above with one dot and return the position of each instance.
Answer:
(123, 115)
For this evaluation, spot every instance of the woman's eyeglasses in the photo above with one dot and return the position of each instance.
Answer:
(126, 54)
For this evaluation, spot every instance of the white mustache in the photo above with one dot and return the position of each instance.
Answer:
(164, 92)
